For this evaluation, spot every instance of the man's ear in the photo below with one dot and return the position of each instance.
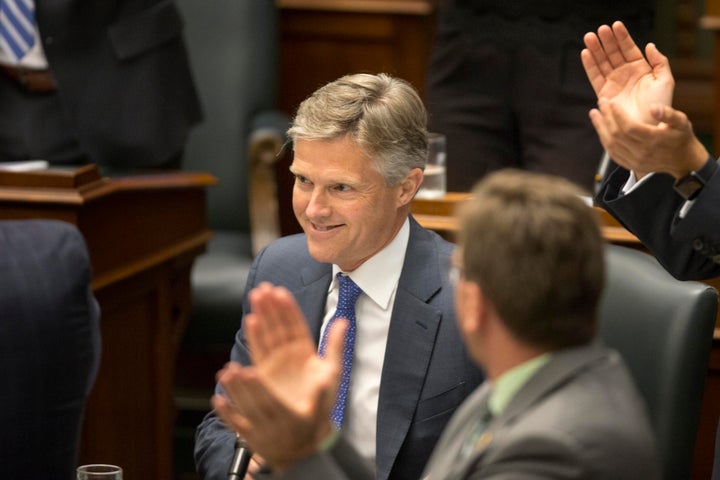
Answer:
(409, 185)
(474, 307)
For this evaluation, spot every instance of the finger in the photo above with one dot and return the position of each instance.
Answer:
(609, 132)
(601, 128)
(224, 409)
(248, 397)
(336, 343)
(659, 63)
(255, 323)
(230, 380)
(295, 324)
(592, 70)
(261, 299)
(626, 45)
(253, 467)
(598, 55)
(614, 57)
(267, 328)
(629, 138)
(674, 119)
(289, 324)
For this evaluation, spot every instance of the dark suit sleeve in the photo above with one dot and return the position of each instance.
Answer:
(687, 247)
(214, 443)
(341, 462)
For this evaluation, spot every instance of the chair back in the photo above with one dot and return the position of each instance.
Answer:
(663, 328)
(233, 50)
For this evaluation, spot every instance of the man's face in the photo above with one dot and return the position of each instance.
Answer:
(342, 203)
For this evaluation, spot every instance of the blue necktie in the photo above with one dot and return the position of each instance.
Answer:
(17, 26)
(349, 293)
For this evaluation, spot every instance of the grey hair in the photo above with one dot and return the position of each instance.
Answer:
(382, 114)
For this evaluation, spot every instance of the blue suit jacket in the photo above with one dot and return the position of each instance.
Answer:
(689, 248)
(426, 373)
(49, 347)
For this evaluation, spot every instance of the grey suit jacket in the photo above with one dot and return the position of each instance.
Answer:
(579, 417)
(426, 374)
(49, 347)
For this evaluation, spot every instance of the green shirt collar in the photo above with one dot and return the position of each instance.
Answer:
(507, 385)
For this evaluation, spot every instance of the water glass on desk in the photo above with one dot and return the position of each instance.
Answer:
(434, 178)
(99, 471)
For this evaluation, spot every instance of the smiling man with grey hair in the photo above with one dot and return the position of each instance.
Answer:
(360, 145)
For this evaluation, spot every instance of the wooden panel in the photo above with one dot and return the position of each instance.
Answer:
(324, 40)
(143, 234)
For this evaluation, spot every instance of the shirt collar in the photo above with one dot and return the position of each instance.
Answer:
(378, 276)
(508, 384)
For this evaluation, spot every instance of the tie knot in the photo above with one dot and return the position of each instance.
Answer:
(349, 292)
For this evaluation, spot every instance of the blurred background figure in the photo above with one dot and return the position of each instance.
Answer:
(105, 82)
(506, 86)
(49, 347)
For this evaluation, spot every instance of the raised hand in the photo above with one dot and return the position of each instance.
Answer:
(281, 404)
(669, 146)
(619, 72)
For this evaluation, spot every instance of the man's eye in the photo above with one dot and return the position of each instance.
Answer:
(301, 179)
(342, 187)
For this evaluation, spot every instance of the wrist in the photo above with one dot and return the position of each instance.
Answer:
(694, 162)
(690, 185)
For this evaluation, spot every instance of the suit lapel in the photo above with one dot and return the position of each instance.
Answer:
(311, 295)
(410, 344)
(444, 463)
(558, 371)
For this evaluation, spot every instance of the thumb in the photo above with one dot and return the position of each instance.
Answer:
(336, 343)
(674, 119)
(659, 62)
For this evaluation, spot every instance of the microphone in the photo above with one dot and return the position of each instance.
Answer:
(240, 461)
(602, 171)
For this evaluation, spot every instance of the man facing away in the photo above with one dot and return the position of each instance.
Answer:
(360, 146)
(557, 404)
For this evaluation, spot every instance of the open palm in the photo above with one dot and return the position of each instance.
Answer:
(619, 72)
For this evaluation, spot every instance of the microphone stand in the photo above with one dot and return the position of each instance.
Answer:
(240, 461)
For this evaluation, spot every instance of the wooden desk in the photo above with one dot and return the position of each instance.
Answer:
(143, 233)
(438, 215)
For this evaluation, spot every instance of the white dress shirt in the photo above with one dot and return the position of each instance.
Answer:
(378, 278)
(632, 183)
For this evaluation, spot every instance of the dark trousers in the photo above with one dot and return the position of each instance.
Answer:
(512, 93)
(33, 126)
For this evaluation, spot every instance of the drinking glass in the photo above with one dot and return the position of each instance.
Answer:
(99, 471)
(434, 179)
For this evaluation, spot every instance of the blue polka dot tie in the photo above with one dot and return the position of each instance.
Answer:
(349, 293)
(17, 26)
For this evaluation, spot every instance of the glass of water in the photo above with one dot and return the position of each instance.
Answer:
(434, 178)
(99, 471)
